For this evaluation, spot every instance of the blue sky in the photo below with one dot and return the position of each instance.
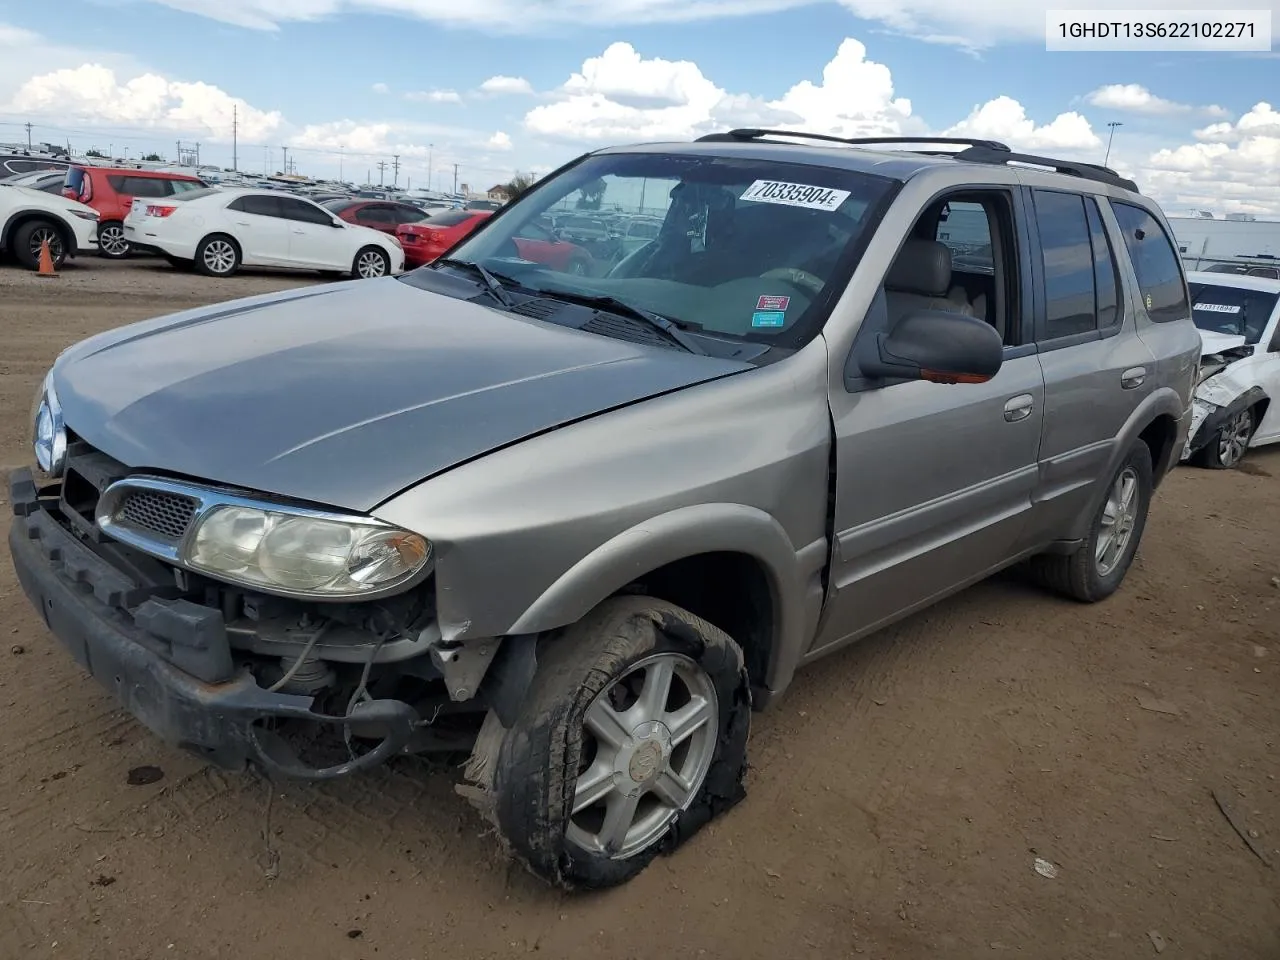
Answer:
(366, 79)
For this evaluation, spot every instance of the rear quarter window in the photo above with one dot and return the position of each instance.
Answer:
(1155, 263)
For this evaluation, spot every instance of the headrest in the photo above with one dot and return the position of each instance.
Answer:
(923, 267)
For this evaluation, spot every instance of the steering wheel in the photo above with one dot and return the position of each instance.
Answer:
(803, 279)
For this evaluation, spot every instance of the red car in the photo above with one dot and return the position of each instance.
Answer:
(385, 215)
(424, 242)
(110, 191)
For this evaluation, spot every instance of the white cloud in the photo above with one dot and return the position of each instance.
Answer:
(622, 96)
(1005, 119)
(1232, 168)
(501, 85)
(499, 141)
(92, 94)
(380, 88)
(434, 96)
(1135, 98)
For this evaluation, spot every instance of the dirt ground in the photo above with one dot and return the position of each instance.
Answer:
(899, 797)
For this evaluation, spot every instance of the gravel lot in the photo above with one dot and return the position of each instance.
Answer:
(899, 797)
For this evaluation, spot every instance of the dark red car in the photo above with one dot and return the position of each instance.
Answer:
(385, 215)
(424, 242)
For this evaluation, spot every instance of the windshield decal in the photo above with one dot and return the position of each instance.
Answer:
(768, 318)
(1218, 307)
(795, 195)
(773, 303)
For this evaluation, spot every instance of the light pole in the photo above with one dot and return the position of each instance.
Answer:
(341, 156)
(1113, 124)
(431, 180)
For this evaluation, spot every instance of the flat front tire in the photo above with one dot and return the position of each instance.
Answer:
(1096, 570)
(632, 736)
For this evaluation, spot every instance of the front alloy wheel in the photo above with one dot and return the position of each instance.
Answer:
(632, 735)
(37, 235)
(1234, 437)
(650, 737)
(371, 263)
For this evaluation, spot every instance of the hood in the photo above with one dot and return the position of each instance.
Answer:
(349, 393)
(1212, 342)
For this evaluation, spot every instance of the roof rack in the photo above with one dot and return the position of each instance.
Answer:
(752, 133)
(977, 151)
(1087, 171)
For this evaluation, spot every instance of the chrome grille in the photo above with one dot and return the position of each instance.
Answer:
(165, 514)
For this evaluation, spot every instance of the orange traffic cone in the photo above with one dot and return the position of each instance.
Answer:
(45, 268)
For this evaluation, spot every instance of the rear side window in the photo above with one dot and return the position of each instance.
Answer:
(294, 209)
(1155, 263)
(407, 214)
(1105, 273)
(1066, 253)
(139, 186)
(258, 205)
(375, 214)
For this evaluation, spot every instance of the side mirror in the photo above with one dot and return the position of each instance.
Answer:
(337, 223)
(937, 346)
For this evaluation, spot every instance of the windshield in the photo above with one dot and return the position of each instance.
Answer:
(1235, 311)
(741, 248)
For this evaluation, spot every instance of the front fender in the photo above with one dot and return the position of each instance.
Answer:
(672, 536)
(1218, 399)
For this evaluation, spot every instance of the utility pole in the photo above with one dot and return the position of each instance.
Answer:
(395, 169)
(28, 136)
(197, 155)
(266, 160)
(341, 147)
(284, 153)
(455, 178)
(382, 169)
(431, 180)
(235, 133)
(1113, 124)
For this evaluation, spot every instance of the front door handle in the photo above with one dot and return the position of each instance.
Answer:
(1133, 378)
(1019, 407)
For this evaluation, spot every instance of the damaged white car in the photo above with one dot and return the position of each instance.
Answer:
(1239, 322)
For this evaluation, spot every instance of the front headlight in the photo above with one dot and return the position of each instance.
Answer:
(304, 555)
(48, 432)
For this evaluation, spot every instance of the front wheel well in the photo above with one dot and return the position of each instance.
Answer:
(14, 225)
(729, 590)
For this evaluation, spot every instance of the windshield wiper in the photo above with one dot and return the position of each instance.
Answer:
(491, 283)
(605, 302)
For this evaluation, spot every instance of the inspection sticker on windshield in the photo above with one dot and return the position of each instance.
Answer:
(795, 195)
(1218, 307)
(768, 318)
(767, 302)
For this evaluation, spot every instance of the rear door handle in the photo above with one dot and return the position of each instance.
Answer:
(1133, 378)
(1019, 407)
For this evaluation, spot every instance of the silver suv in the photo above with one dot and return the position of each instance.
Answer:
(579, 526)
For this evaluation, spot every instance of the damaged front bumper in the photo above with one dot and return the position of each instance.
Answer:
(169, 661)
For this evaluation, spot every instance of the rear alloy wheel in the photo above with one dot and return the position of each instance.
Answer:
(31, 236)
(111, 241)
(371, 263)
(1096, 570)
(217, 256)
(1228, 446)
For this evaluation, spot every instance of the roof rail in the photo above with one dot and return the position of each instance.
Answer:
(752, 133)
(1086, 171)
(978, 151)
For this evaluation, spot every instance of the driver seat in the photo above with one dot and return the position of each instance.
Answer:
(920, 279)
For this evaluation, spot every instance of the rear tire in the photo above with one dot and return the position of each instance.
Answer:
(629, 668)
(217, 255)
(1230, 442)
(1096, 570)
(28, 238)
(111, 242)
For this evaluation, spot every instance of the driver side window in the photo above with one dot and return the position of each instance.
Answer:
(959, 258)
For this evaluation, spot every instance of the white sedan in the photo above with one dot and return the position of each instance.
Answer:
(1234, 408)
(218, 231)
(31, 218)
